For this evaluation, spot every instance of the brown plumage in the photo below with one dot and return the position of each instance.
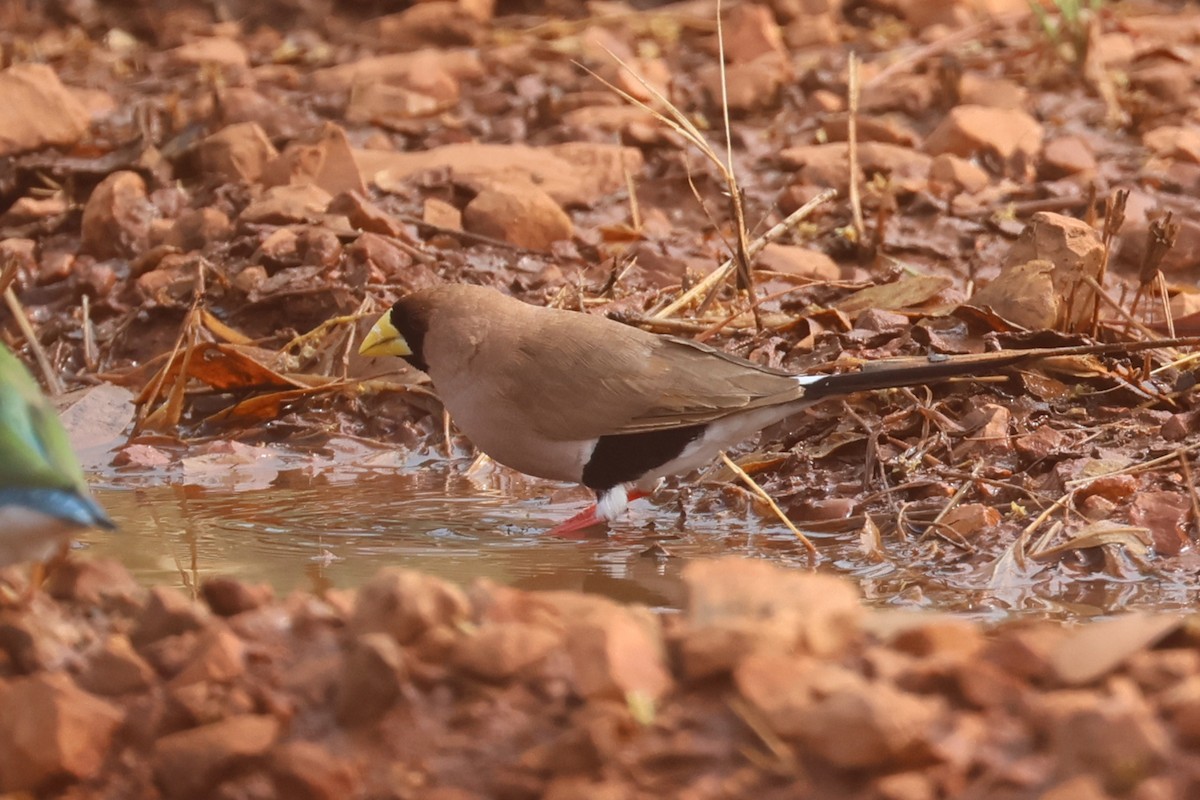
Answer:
(574, 397)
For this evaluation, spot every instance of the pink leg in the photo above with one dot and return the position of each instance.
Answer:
(588, 518)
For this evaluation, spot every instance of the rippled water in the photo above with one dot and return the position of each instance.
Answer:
(301, 521)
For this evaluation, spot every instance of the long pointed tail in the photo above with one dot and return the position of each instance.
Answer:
(893, 373)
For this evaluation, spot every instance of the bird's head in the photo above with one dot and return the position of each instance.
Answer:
(400, 332)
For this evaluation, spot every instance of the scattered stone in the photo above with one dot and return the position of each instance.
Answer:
(1095, 650)
(238, 152)
(308, 771)
(197, 228)
(116, 668)
(618, 655)
(574, 173)
(442, 214)
(1075, 250)
(518, 213)
(799, 261)
(750, 31)
(405, 604)
(500, 651)
(117, 216)
(53, 731)
(214, 50)
(958, 174)
(37, 111)
(738, 606)
(1065, 156)
(323, 159)
(871, 725)
(187, 764)
(167, 613)
(228, 597)
(1008, 134)
(281, 205)
(1166, 514)
(218, 657)
(372, 679)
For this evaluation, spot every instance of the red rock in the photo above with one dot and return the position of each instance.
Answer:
(1081, 787)
(432, 22)
(441, 214)
(618, 654)
(958, 174)
(238, 152)
(281, 205)
(1162, 78)
(780, 687)
(800, 261)
(322, 158)
(372, 679)
(1094, 650)
(1110, 737)
(218, 657)
(405, 604)
(366, 216)
(1011, 134)
(279, 120)
(738, 606)
(37, 111)
(502, 650)
(52, 731)
(30, 209)
(1174, 142)
(215, 50)
(573, 173)
(978, 90)
(97, 582)
(1040, 443)
(1073, 247)
(750, 31)
(1065, 156)
(421, 70)
(944, 637)
(518, 213)
(750, 86)
(188, 763)
(228, 597)
(308, 771)
(1166, 514)
(197, 228)
(906, 786)
(168, 613)
(829, 164)
(117, 216)
(394, 107)
(116, 668)
(873, 725)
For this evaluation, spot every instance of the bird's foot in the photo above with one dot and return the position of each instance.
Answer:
(610, 505)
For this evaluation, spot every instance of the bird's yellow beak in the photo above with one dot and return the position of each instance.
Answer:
(384, 340)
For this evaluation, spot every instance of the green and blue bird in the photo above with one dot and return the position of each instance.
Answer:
(44, 498)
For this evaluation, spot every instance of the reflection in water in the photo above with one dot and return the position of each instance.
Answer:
(305, 531)
(319, 525)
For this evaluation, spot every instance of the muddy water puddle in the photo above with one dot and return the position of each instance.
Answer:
(299, 523)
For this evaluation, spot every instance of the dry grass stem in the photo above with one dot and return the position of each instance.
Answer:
(714, 278)
(860, 227)
(766, 498)
(49, 376)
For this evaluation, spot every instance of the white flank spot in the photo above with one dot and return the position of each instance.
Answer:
(612, 502)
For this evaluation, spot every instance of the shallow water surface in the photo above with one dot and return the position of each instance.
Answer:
(300, 521)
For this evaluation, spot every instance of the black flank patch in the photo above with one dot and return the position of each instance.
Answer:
(625, 457)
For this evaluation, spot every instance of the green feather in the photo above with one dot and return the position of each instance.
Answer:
(36, 460)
